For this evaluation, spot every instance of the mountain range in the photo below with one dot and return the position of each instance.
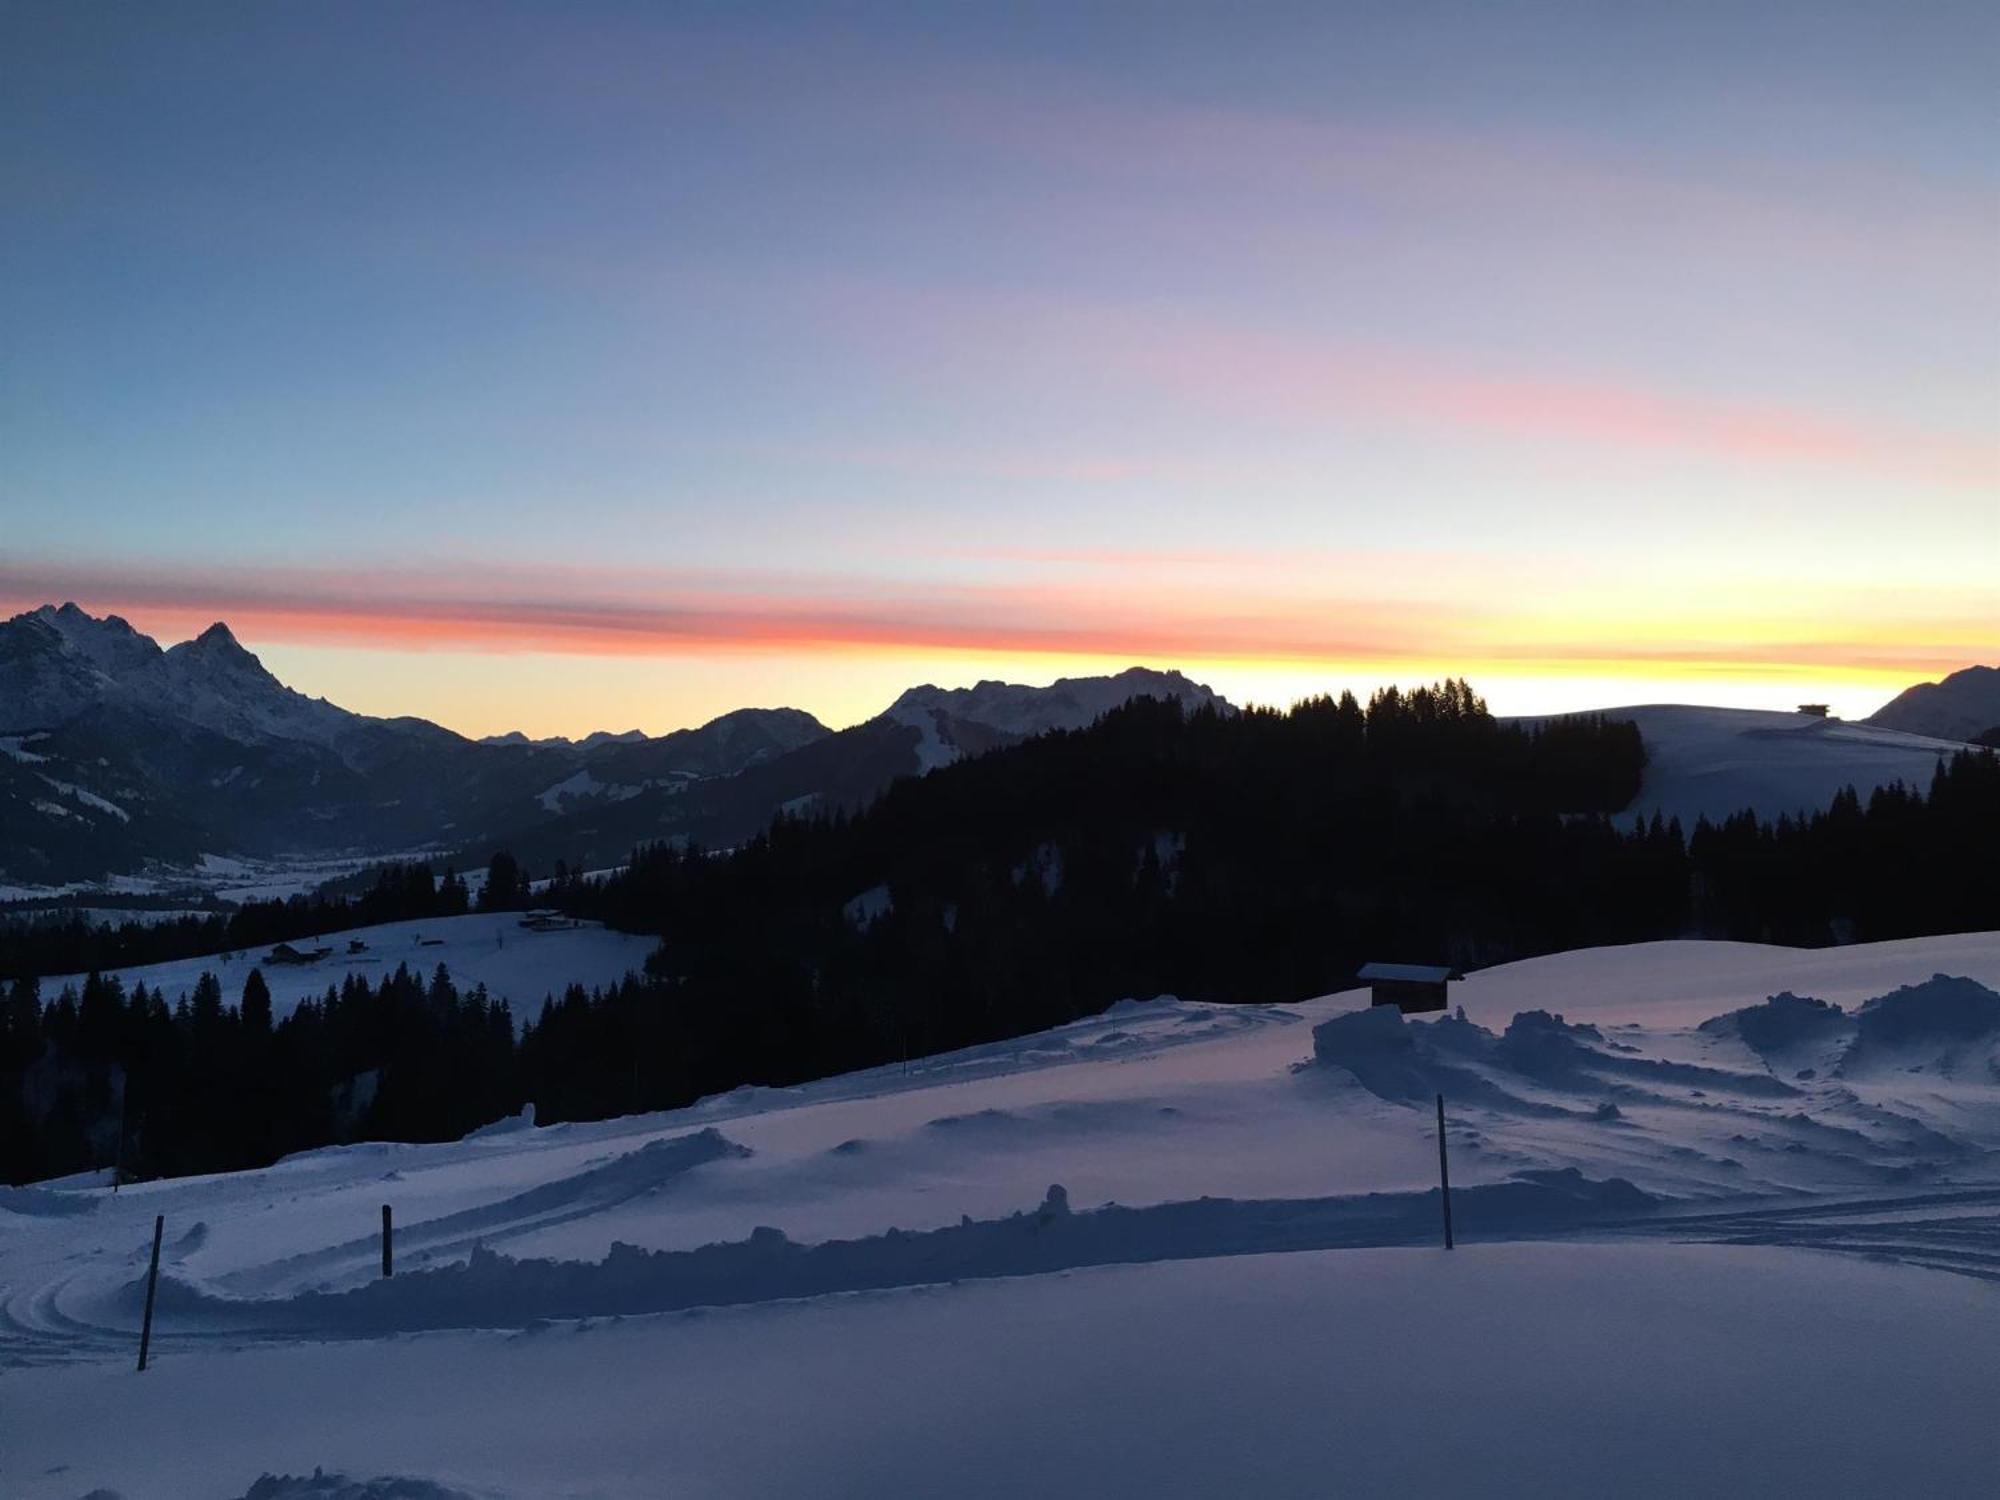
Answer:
(119, 757)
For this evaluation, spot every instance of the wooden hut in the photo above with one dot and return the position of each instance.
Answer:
(285, 953)
(1408, 987)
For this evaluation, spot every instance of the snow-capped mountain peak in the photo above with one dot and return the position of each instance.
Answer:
(215, 682)
(953, 722)
(1067, 703)
(57, 662)
(217, 653)
(218, 637)
(110, 645)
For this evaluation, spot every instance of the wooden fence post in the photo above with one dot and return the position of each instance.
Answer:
(152, 1285)
(1444, 1175)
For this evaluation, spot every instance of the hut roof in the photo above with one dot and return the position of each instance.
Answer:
(1411, 973)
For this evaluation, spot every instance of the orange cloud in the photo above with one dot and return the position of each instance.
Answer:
(1283, 620)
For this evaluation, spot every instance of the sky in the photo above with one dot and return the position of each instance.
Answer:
(612, 366)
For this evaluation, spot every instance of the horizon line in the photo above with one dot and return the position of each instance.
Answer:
(1196, 665)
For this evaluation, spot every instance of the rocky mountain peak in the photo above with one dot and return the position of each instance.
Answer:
(1067, 703)
(216, 656)
(110, 645)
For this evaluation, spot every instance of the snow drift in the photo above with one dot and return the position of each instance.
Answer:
(493, 1290)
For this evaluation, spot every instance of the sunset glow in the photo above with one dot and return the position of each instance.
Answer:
(621, 373)
(659, 652)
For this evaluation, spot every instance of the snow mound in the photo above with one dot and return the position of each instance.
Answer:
(494, 1290)
(1950, 1024)
(1409, 1064)
(1946, 1025)
(511, 1125)
(1412, 1062)
(1783, 1023)
(40, 1203)
(1131, 1006)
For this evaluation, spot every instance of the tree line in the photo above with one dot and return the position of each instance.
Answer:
(102, 1078)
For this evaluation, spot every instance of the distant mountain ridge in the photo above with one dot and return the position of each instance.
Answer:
(924, 729)
(1965, 706)
(953, 722)
(588, 742)
(118, 756)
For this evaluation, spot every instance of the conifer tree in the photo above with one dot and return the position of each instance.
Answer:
(256, 1010)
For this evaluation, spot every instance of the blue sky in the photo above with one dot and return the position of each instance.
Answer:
(608, 365)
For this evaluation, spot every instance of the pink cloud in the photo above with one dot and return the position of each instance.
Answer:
(1302, 382)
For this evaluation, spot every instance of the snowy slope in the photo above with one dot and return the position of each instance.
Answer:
(1643, 1192)
(1683, 983)
(489, 948)
(1711, 762)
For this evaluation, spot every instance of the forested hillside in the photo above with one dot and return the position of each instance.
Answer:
(1258, 856)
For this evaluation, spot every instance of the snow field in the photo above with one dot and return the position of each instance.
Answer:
(1712, 762)
(1525, 1369)
(1044, 1264)
(489, 948)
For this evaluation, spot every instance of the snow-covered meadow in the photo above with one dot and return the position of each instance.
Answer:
(1712, 762)
(1174, 1249)
(516, 963)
